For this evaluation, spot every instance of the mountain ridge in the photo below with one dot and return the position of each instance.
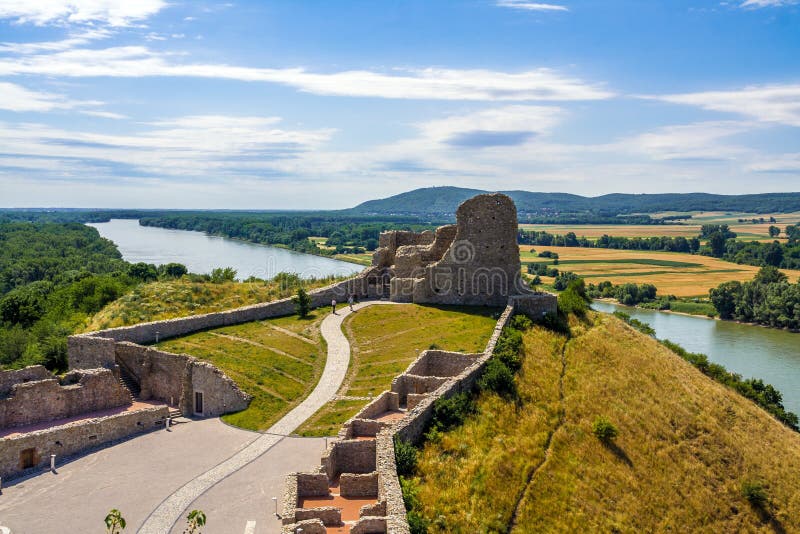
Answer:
(443, 201)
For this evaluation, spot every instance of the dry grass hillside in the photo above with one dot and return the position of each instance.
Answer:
(686, 447)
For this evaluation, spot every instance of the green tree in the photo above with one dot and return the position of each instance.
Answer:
(194, 521)
(302, 303)
(774, 231)
(223, 274)
(115, 523)
(717, 242)
(173, 270)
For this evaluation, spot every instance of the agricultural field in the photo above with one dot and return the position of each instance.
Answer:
(682, 275)
(278, 361)
(385, 339)
(687, 228)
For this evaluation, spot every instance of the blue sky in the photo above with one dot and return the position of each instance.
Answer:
(320, 104)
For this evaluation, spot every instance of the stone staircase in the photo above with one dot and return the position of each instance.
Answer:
(127, 380)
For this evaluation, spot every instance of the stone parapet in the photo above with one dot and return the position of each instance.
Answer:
(74, 438)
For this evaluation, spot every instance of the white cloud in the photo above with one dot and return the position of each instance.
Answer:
(768, 103)
(14, 97)
(430, 83)
(531, 6)
(74, 40)
(697, 141)
(199, 147)
(767, 3)
(510, 120)
(105, 114)
(60, 12)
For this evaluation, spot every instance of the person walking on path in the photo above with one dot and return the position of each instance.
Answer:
(333, 306)
(350, 302)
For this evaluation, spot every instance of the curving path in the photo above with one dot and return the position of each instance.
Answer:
(172, 508)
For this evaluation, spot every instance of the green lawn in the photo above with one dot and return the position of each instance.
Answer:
(264, 358)
(385, 339)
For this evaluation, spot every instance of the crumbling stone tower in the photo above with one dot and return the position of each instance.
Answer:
(473, 262)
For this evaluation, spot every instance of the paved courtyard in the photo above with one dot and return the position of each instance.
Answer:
(229, 473)
(136, 475)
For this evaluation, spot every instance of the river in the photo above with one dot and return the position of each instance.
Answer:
(201, 252)
(751, 351)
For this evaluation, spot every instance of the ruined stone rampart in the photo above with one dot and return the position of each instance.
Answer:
(20, 376)
(174, 379)
(49, 398)
(440, 374)
(73, 438)
(146, 333)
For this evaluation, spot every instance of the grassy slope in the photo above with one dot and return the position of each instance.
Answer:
(385, 339)
(278, 369)
(178, 298)
(686, 444)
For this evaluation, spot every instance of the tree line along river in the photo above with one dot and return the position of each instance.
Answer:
(751, 351)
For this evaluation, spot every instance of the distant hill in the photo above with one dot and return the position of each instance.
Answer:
(443, 201)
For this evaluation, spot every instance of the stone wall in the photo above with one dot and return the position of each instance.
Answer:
(19, 376)
(349, 456)
(75, 438)
(221, 394)
(146, 333)
(536, 306)
(174, 379)
(359, 485)
(441, 363)
(78, 392)
(87, 352)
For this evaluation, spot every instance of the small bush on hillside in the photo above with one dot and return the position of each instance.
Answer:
(498, 378)
(417, 523)
(755, 493)
(405, 456)
(451, 412)
(220, 275)
(604, 430)
(509, 349)
(521, 322)
(410, 490)
(302, 303)
(571, 302)
(557, 322)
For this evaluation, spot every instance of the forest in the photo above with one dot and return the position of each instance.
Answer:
(52, 277)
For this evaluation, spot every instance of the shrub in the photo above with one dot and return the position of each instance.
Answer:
(451, 412)
(604, 429)
(417, 523)
(410, 490)
(754, 492)
(220, 275)
(405, 456)
(302, 303)
(571, 302)
(521, 322)
(498, 378)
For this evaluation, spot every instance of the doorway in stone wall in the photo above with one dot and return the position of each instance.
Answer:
(198, 403)
(27, 458)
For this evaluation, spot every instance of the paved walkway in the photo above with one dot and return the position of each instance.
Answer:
(166, 514)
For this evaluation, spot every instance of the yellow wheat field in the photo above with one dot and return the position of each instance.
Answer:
(682, 275)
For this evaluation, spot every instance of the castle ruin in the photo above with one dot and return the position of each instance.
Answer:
(474, 262)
